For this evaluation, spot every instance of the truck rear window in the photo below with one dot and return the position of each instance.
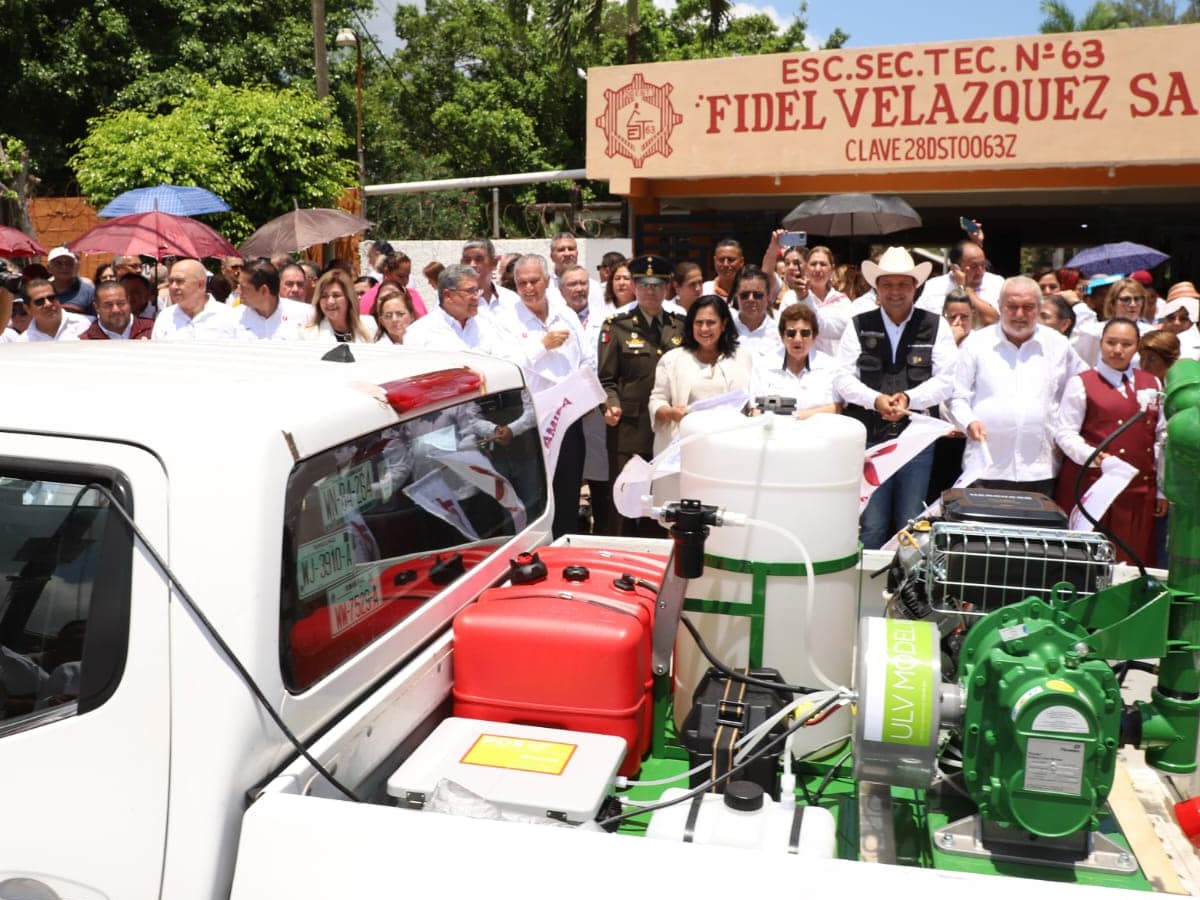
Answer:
(377, 526)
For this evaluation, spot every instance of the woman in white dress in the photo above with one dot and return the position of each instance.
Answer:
(709, 363)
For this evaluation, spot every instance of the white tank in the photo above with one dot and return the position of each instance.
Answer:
(803, 477)
(743, 817)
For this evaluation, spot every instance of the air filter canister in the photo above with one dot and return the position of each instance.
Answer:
(899, 702)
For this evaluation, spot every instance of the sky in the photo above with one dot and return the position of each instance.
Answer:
(870, 23)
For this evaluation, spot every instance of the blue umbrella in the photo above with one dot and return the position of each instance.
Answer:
(1120, 258)
(167, 198)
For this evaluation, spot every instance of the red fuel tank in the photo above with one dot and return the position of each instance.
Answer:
(569, 649)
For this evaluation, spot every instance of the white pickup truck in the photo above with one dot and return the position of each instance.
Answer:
(308, 526)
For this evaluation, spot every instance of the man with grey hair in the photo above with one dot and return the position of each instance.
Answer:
(551, 341)
(454, 324)
(564, 252)
(1008, 381)
(480, 254)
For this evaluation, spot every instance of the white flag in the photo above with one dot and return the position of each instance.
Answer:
(631, 485)
(884, 460)
(476, 469)
(1115, 477)
(435, 496)
(558, 407)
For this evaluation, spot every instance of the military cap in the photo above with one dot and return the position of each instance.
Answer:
(650, 269)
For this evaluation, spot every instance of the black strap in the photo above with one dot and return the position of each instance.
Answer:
(689, 827)
(797, 823)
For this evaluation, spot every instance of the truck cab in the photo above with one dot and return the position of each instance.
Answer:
(288, 516)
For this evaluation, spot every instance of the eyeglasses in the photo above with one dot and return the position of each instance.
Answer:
(1132, 301)
(792, 332)
(470, 292)
(393, 315)
(752, 295)
(39, 302)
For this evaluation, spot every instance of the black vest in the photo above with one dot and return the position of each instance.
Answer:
(913, 365)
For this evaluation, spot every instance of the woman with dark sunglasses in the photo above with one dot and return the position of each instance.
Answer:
(802, 373)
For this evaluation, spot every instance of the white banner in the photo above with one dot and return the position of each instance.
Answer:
(476, 469)
(558, 408)
(1114, 478)
(978, 464)
(435, 496)
(884, 460)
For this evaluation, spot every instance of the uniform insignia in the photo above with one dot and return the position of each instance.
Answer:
(676, 340)
(870, 342)
(635, 343)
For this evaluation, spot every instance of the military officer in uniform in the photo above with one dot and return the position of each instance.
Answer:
(630, 344)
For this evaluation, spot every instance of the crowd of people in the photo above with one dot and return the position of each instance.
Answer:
(1032, 371)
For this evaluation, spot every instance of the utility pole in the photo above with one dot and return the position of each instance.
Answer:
(322, 65)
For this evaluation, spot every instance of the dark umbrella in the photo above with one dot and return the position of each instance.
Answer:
(1120, 258)
(169, 198)
(15, 242)
(302, 228)
(155, 234)
(851, 214)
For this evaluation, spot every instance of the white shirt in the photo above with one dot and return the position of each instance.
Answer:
(69, 329)
(215, 321)
(933, 297)
(833, 315)
(323, 331)
(1189, 343)
(1073, 408)
(545, 368)
(436, 330)
(810, 387)
(764, 341)
(1014, 391)
(283, 324)
(923, 396)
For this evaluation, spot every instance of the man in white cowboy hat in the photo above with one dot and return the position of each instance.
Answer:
(894, 359)
(1180, 315)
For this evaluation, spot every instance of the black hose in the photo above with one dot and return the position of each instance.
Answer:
(735, 675)
(1078, 490)
(225, 649)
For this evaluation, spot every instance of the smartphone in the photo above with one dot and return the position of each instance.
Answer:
(968, 226)
(793, 239)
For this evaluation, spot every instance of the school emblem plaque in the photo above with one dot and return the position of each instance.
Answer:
(638, 120)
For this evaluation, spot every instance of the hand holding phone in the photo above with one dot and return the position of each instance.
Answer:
(793, 239)
(970, 226)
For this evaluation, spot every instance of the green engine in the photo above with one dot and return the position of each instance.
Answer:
(1040, 721)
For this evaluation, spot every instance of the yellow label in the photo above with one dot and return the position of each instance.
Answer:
(1055, 685)
(520, 754)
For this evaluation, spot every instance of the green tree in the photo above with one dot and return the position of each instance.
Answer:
(572, 21)
(68, 61)
(262, 150)
(1107, 14)
(479, 89)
